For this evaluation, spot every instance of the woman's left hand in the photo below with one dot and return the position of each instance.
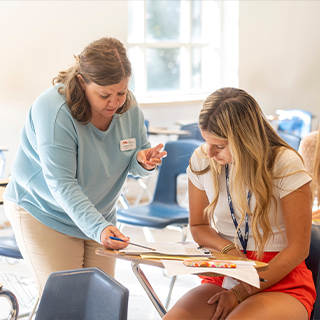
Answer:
(226, 302)
(150, 158)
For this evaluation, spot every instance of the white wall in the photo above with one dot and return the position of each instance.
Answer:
(280, 54)
(279, 50)
(39, 38)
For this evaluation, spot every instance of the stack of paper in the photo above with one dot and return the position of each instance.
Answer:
(176, 251)
(168, 252)
(244, 271)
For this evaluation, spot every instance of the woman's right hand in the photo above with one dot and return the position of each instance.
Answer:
(113, 244)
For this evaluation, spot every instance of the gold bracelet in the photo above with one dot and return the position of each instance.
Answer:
(228, 247)
(237, 293)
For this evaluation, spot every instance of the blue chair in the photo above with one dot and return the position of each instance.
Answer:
(83, 294)
(9, 247)
(290, 139)
(313, 263)
(194, 130)
(142, 183)
(294, 121)
(164, 209)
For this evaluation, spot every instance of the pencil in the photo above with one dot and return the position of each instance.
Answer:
(263, 280)
(134, 244)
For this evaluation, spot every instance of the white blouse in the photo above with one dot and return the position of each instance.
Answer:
(288, 162)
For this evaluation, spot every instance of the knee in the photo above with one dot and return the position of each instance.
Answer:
(240, 314)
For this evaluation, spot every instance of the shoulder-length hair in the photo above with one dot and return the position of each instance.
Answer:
(103, 62)
(233, 114)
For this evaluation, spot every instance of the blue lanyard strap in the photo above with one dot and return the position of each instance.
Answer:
(244, 241)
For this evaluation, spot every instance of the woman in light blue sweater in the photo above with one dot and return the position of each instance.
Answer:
(80, 140)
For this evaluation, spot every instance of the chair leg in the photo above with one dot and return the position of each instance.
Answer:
(172, 282)
(183, 233)
(34, 309)
(183, 230)
(148, 289)
(144, 189)
(120, 226)
(148, 234)
(124, 202)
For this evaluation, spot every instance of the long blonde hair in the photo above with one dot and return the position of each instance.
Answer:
(233, 114)
(103, 62)
(315, 187)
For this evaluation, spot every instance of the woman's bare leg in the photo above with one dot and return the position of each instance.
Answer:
(269, 305)
(193, 305)
(266, 305)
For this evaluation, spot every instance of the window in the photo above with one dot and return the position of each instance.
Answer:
(178, 48)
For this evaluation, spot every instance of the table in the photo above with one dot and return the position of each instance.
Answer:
(137, 260)
(164, 131)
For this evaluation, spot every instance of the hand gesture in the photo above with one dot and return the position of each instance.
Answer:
(113, 244)
(150, 158)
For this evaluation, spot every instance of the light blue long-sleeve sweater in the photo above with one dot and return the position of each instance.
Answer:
(69, 175)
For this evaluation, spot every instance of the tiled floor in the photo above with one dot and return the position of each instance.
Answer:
(140, 307)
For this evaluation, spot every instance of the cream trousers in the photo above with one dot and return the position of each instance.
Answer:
(46, 250)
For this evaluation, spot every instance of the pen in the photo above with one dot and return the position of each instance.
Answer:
(263, 280)
(204, 250)
(134, 244)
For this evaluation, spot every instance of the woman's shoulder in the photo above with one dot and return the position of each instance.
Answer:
(49, 101)
(50, 95)
(288, 160)
(49, 108)
(199, 159)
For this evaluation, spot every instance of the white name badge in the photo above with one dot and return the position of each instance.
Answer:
(128, 144)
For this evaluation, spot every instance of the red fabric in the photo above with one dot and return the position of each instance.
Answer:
(298, 283)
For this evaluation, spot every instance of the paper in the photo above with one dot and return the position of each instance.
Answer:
(169, 248)
(244, 271)
(171, 257)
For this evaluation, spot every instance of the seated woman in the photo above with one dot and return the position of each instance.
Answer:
(253, 186)
(310, 152)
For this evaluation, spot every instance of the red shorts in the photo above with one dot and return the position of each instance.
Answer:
(298, 283)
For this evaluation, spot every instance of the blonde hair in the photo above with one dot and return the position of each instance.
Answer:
(233, 114)
(103, 62)
(315, 186)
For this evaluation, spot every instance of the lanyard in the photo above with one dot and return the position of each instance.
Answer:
(244, 241)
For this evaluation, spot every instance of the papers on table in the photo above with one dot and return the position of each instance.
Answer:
(244, 271)
(172, 254)
(172, 249)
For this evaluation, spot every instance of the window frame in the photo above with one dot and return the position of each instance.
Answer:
(226, 68)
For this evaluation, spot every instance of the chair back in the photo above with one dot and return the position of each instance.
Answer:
(194, 130)
(295, 121)
(176, 162)
(313, 264)
(83, 294)
(290, 139)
